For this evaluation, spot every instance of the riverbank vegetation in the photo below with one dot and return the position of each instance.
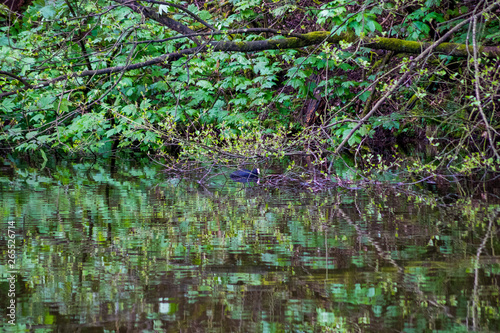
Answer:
(406, 85)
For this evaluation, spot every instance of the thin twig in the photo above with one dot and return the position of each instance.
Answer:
(478, 94)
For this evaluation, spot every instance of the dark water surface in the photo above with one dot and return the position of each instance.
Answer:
(138, 251)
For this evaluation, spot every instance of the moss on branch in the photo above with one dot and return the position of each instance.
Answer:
(381, 43)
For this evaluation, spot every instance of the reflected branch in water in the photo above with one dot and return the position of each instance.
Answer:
(475, 296)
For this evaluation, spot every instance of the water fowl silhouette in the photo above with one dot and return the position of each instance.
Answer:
(245, 175)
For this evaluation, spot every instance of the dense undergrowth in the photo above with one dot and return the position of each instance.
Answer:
(84, 79)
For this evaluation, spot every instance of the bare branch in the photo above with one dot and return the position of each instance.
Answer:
(193, 15)
(20, 79)
(478, 93)
(162, 19)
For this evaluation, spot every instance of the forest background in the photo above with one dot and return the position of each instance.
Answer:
(378, 85)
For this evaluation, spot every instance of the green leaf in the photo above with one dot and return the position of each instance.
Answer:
(150, 136)
(205, 84)
(48, 12)
(63, 106)
(364, 96)
(262, 67)
(31, 135)
(145, 104)
(437, 16)
(46, 102)
(4, 41)
(347, 84)
(373, 25)
(8, 104)
(129, 109)
(243, 85)
(205, 15)
(44, 157)
(163, 9)
(37, 117)
(242, 100)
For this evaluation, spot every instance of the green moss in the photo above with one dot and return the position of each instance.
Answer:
(316, 35)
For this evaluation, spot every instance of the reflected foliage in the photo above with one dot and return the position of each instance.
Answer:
(140, 251)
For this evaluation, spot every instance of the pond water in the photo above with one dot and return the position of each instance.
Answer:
(139, 251)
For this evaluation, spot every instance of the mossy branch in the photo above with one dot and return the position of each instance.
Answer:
(304, 40)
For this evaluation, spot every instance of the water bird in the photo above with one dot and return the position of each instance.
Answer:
(245, 175)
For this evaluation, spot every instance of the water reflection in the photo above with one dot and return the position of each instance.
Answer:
(245, 180)
(131, 253)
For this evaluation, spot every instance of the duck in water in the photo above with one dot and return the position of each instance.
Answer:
(245, 176)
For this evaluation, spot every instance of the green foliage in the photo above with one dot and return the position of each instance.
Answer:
(340, 19)
(388, 123)
(341, 132)
(416, 25)
(215, 93)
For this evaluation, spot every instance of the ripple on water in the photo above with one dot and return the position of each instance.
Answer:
(130, 250)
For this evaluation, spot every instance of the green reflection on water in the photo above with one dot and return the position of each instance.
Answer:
(143, 251)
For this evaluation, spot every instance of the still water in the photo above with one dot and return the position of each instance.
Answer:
(139, 251)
